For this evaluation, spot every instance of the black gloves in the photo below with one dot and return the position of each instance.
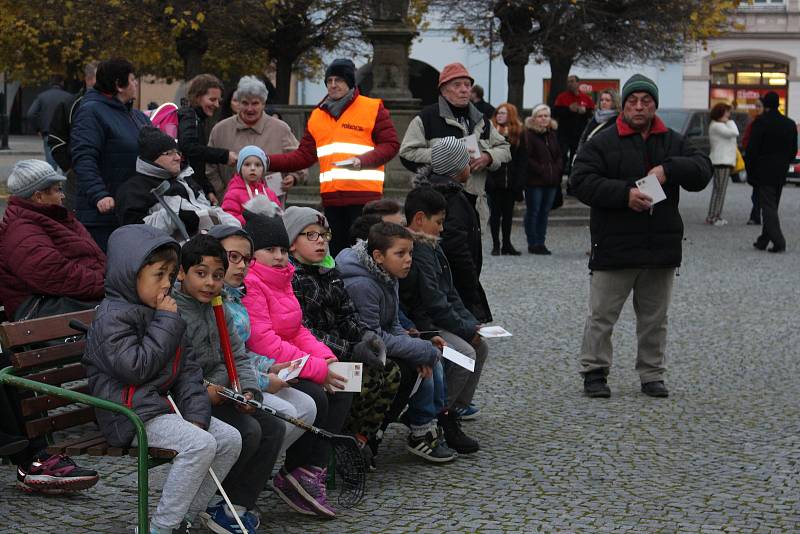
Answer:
(371, 351)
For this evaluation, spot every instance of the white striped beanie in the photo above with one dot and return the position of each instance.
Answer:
(449, 157)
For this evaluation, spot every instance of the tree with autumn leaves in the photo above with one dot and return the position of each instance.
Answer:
(176, 38)
(588, 32)
(181, 38)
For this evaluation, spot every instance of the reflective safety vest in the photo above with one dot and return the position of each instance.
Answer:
(339, 139)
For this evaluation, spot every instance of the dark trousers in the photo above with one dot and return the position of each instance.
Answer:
(501, 203)
(332, 410)
(100, 234)
(262, 438)
(755, 213)
(408, 376)
(11, 420)
(340, 219)
(769, 196)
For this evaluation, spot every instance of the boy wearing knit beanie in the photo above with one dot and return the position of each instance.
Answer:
(461, 239)
(332, 317)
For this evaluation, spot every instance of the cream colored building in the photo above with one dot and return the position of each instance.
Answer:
(746, 63)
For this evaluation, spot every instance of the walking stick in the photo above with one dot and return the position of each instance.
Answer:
(225, 342)
(214, 476)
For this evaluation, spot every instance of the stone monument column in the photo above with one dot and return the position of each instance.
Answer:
(391, 37)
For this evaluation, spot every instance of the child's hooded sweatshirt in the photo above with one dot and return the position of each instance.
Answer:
(135, 354)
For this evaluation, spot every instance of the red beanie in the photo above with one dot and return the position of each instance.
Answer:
(453, 71)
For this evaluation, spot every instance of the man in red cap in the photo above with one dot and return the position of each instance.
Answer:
(454, 115)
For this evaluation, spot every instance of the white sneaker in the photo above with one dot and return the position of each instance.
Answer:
(720, 222)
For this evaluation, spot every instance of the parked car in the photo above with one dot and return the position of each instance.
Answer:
(694, 123)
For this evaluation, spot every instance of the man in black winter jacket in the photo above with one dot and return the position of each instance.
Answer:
(772, 147)
(636, 245)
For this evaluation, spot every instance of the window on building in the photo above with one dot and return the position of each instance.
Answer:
(744, 81)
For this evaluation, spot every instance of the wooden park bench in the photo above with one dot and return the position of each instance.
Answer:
(45, 354)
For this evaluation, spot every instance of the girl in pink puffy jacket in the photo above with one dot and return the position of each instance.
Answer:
(248, 182)
(276, 330)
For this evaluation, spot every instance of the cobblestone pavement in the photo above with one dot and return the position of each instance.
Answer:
(720, 455)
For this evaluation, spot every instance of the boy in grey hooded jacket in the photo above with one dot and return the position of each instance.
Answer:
(137, 354)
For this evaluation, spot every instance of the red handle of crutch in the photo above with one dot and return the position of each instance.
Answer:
(225, 341)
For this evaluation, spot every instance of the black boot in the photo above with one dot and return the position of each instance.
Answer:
(495, 250)
(509, 250)
(454, 436)
(595, 386)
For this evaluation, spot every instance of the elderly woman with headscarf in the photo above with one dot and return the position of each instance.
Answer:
(251, 126)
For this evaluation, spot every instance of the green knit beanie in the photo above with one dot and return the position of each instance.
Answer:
(638, 83)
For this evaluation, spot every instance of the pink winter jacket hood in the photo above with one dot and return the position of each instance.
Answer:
(276, 321)
(237, 194)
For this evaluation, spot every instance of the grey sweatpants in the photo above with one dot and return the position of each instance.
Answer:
(189, 488)
(461, 383)
(652, 291)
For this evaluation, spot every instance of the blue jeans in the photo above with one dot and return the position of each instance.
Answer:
(430, 398)
(538, 201)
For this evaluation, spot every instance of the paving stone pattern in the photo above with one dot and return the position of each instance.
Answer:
(720, 455)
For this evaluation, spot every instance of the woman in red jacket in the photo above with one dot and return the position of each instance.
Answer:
(48, 261)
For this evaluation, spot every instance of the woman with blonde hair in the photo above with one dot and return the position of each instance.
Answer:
(605, 115)
(504, 186)
(545, 166)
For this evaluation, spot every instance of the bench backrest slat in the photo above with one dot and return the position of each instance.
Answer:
(55, 377)
(21, 333)
(42, 403)
(44, 425)
(48, 355)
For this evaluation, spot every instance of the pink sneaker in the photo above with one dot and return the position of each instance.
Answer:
(309, 483)
(54, 475)
(287, 493)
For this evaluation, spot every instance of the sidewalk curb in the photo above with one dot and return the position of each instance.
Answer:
(21, 153)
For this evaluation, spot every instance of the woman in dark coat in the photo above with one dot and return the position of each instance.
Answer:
(44, 251)
(104, 145)
(504, 185)
(544, 176)
(204, 93)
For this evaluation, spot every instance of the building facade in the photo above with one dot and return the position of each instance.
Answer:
(758, 55)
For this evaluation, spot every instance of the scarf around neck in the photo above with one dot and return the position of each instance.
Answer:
(336, 107)
(603, 115)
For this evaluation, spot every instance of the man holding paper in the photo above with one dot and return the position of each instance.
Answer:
(631, 177)
(454, 115)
